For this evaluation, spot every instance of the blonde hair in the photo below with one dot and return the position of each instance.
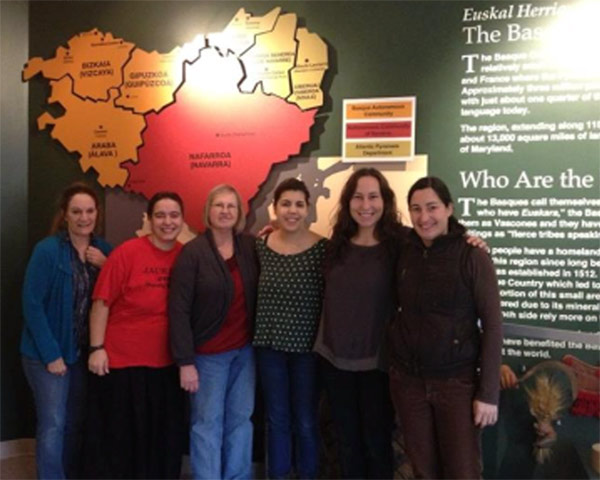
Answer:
(240, 223)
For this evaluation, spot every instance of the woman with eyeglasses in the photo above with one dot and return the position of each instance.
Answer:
(212, 301)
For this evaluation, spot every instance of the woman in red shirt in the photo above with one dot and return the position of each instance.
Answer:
(137, 424)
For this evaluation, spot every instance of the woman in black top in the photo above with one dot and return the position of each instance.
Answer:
(444, 365)
(358, 304)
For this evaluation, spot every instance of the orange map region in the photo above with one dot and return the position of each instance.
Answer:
(214, 134)
(93, 60)
(238, 36)
(270, 60)
(103, 135)
(152, 78)
(307, 75)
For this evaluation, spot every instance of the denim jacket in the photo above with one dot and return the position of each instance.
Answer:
(48, 300)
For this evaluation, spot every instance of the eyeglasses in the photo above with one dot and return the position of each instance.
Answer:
(223, 206)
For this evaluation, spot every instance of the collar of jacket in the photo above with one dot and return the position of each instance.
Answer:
(455, 230)
(63, 235)
(211, 241)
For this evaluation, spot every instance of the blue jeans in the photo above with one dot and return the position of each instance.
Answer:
(289, 383)
(221, 429)
(60, 407)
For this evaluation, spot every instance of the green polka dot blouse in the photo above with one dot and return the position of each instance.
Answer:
(290, 292)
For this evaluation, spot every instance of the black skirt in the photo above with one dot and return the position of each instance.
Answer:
(135, 426)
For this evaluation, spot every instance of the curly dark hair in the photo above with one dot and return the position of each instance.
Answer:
(58, 221)
(292, 184)
(388, 229)
(157, 197)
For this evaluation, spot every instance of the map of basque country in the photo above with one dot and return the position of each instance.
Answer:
(223, 108)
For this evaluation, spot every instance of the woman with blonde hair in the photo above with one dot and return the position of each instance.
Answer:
(212, 302)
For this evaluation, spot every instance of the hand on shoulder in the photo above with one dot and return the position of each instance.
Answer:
(477, 242)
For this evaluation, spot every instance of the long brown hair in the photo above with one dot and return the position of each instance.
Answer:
(388, 228)
(58, 222)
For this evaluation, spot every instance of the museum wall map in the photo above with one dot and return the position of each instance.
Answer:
(223, 108)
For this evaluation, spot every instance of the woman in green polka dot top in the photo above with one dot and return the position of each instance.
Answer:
(290, 291)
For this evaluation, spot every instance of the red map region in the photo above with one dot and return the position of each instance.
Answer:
(205, 139)
(378, 129)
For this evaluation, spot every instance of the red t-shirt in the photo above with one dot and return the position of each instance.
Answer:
(235, 331)
(134, 284)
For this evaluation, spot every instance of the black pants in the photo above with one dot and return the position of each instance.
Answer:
(362, 415)
(135, 424)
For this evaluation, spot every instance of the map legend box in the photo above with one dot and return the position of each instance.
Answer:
(379, 129)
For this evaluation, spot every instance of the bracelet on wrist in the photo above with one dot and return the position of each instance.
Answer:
(95, 348)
